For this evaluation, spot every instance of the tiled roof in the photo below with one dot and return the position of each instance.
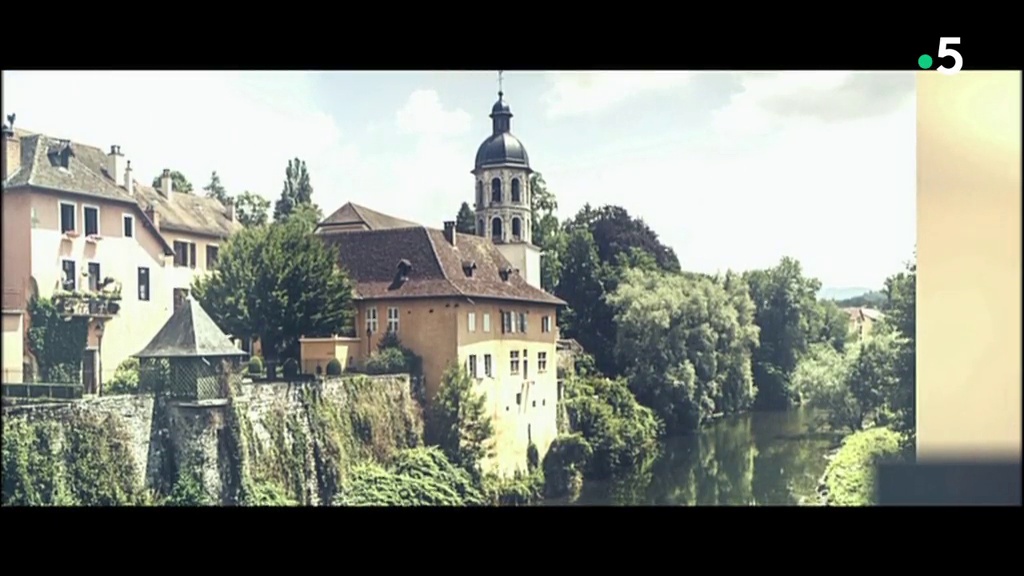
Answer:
(355, 217)
(190, 333)
(435, 267)
(86, 174)
(188, 212)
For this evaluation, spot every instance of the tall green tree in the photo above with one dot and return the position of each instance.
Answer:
(216, 190)
(546, 231)
(277, 283)
(901, 315)
(178, 182)
(465, 220)
(251, 209)
(685, 344)
(616, 232)
(588, 318)
(785, 302)
(457, 421)
(297, 190)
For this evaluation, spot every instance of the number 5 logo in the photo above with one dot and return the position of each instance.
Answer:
(945, 51)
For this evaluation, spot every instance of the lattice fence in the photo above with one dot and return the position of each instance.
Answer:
(191, 378)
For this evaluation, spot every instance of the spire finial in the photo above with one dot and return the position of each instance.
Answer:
(501, 91)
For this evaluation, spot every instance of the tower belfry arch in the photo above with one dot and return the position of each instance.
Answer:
(502, 201)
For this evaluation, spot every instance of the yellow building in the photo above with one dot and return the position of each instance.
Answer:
(455, 299)
(862, 320)
(76, 221)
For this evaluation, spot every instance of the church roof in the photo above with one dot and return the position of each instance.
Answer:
(433, 267)
(190, 333)
(502, 149)
(351, 217)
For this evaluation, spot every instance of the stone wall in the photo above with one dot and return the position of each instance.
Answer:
(279, 434)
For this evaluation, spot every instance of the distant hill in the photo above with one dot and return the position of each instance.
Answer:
(828, 293)
(861, 297)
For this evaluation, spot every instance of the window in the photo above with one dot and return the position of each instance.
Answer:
(526, 371)
(144, 284)
(211, 257)
(516, 192)
(545, 324)
(69, 282)
(517, 229)
(487, 321)
(180, 297)
(522, 322)
(128, 226)
(393, 320)
(67, 217)
(487, 366)
(506, 322)
(542, 362)
(496, 190)
(479, 194)
(472, 366)
(94, 276)
(92, 220)
(371, 320)
(513, 364)
(472, 321)
(184, 254)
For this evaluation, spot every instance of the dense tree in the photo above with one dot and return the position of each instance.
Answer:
(588, 317)
(829, 324)
(457, 422)
(465, 220)
(308, 215)
(616, 232)
(178, 182)
(277, 283)
(297, 190)
(251, 209)
(216, 190)
(685, 343)
(547, 232)
(901, 315)
(785, 304)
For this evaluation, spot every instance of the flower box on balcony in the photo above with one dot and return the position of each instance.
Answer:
(70, 234)
(93, 238)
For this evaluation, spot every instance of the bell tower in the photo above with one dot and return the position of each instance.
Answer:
(502, 200)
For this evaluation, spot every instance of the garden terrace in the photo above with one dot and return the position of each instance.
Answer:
(87, 304)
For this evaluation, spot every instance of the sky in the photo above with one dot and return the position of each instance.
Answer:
(733, 170)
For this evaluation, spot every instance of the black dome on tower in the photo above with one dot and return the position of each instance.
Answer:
(501, 148)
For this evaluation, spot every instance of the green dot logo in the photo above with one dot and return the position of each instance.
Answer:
(925, 62)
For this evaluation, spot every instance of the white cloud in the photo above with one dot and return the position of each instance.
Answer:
(582, 93)
(819, 168)
(243, 125)
(423, 115)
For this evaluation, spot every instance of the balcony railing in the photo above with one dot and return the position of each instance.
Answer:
(88, 304)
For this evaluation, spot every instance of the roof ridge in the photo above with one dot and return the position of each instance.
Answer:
(440, 265)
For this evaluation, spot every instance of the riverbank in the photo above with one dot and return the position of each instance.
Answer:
(849, 477)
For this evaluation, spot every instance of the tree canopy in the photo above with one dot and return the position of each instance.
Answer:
(465, 220)
(296, 191)
(216, 190)
(277, 283)
(178, 182)
(251, 209)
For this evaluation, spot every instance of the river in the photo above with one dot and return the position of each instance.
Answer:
(761, 458)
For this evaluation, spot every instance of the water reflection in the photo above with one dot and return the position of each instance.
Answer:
(754, 459)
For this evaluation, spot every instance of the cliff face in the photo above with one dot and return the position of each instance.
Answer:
(272, 444)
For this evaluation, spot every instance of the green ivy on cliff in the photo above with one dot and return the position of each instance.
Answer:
(83, 461)
(56, 341)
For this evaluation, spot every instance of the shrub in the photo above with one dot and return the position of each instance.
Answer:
(519, 490)
(266, 494)
(125, 380)
(255, 366)
(372, 485)
(386, 361)
(850, 475)
(431, 464)
(290, 368)
(564, 464)
(334, 367)
(188, 491)
(532, 457)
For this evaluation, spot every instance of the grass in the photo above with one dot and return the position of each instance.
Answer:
(850, 476)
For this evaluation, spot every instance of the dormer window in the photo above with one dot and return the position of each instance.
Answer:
(507, 273)
(468, 266)
(403, 268)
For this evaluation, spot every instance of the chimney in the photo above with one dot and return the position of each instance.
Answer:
(11, 153)
(166, 184)
(115, 164)
(129, 183)
(229, 204)
(154, 216)
(449, 232)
